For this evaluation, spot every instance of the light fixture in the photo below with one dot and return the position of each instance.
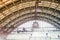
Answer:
(35, 24)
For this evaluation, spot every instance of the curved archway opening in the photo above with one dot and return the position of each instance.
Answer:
(41, 24)
(8, 19)
(26, 31)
